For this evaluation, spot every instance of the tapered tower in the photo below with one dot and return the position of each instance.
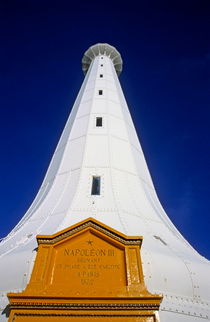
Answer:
(98, 170)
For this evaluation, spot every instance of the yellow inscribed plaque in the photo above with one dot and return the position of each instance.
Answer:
(85, 262)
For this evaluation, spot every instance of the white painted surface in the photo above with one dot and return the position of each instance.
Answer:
(128, 201)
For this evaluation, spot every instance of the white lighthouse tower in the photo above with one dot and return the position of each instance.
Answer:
(98, 170)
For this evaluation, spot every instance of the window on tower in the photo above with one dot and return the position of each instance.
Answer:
(99, 121)
(100, 92)
(102, 65)
(96, 186)
(101, 75)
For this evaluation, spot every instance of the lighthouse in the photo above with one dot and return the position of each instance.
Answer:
(99, 185)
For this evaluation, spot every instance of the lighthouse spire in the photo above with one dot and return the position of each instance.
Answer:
(109, 150)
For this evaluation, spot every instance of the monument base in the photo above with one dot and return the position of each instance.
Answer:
(87, 272)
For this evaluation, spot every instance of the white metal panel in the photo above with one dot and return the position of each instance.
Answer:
(84, 108)
(20, 264)
(80, 127)
(99, 106)
(68, 193)
(97, 155)
(121, 155)
(117, 128)
(113, 109)
(73, 154)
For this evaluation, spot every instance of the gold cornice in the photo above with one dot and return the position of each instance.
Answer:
(86, 306)
(90, 222)
(92, 315)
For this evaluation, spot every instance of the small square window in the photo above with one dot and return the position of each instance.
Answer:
(100, 92)
(102, 57)
(99, 121)
(96, 186)
(101, 75)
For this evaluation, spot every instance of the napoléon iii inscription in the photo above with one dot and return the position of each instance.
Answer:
(89, 262)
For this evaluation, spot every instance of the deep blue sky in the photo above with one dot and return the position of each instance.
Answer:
(166, 80)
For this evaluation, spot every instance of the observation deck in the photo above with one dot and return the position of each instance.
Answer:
(102, 49)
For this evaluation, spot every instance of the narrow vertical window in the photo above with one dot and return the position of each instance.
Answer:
(100, 92)
(99, 121)
(101, 75)
(96, 186)
(102, 65)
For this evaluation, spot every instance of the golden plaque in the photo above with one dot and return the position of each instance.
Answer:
(87, 272)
